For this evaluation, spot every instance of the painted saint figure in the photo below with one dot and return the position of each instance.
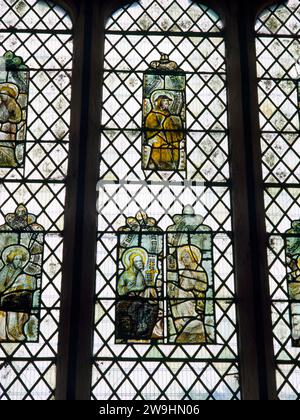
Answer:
(10, 116)
(14, 87)
(139, 311)
(293, 264)
(164, 134)
(133, 280)
(188, 306)
(191, 308)
(137, 284)
(10, 110)
(16, 293)
(21, 260)
(164, 116)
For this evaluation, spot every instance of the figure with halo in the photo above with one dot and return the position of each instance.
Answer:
(16, 293)
(188, 306)
(190, 279)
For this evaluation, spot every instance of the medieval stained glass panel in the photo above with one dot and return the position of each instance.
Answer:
(14, 86)
(164, 227)
(164, 116)
(139, 310)
(278, 55)
(36, 47)
(22, 250)
(190, 280)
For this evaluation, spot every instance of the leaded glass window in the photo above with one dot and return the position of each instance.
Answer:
(35, 71)
(180, 231)
(165, 315)
(278, 55)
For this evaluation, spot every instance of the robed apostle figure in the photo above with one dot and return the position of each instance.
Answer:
(164, 132)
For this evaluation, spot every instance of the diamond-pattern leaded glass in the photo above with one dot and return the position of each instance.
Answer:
(278, 55)
(198, 259)
(39, 33)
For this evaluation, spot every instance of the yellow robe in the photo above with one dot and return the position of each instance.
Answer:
(10, 116)
(165, 139)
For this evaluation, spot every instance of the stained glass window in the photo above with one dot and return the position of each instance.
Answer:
(35, 71)
(278, 55)
(165, 315)
(174, 205)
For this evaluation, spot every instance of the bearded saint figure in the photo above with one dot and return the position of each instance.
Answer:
(10, 116)
(164, 132)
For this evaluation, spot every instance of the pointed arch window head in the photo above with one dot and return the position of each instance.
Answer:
(165, 16)
(280, 19)
(277, 41)
(196, 94)
(33, 15)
